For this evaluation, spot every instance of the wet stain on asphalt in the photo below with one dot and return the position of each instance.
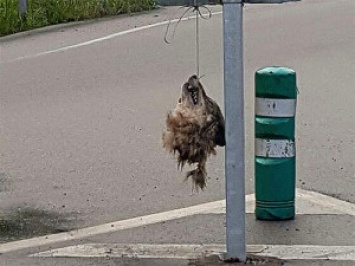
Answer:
(21, 223)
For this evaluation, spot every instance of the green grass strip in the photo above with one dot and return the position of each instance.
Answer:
(42, 13)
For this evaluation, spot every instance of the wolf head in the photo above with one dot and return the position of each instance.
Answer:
(194, 128)
(193, 96)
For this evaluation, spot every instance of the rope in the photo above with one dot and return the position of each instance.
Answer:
(177, 24)
(198, 14)
(197, 42)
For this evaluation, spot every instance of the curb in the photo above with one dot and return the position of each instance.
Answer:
(202, 253)
(68, 25)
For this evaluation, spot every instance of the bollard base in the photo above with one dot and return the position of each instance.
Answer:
(275, 214)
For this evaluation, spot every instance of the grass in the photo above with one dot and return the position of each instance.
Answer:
(42, 13)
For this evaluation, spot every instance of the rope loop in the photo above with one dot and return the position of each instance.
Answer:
(205, 16)
(194, 9)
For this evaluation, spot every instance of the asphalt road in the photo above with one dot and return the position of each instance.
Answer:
(81, 127)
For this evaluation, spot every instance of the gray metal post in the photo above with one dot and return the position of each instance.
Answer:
(22, 7)
(234, 112)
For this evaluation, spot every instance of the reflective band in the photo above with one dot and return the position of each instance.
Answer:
(275, 107)
(275, 148)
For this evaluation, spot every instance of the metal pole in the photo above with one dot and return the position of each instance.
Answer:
(234, 112)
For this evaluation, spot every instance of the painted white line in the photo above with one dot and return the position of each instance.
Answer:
(305, 252)
(326, 204)
(107, 37)
(173, 251)
(111, 227)
(307, 202)
(327, 201)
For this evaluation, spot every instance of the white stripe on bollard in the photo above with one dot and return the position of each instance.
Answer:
(275, 148)
(275, 107)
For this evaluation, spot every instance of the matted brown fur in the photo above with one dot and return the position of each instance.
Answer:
(193, 130)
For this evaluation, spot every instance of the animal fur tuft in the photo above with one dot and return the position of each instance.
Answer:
(199, 178)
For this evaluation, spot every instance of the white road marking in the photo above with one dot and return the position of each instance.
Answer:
(173, 251)
(327, 201)
(328, 204)
(107, 37)
(307, 202)
(110, 227)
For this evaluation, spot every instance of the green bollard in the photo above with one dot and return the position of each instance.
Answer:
(275, 153)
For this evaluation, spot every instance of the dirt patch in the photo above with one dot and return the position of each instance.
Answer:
(22, 223)
(4, 182)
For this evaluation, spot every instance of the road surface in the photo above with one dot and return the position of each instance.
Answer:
(83, 108)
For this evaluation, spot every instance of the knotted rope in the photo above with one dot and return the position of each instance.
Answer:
(197, 10)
